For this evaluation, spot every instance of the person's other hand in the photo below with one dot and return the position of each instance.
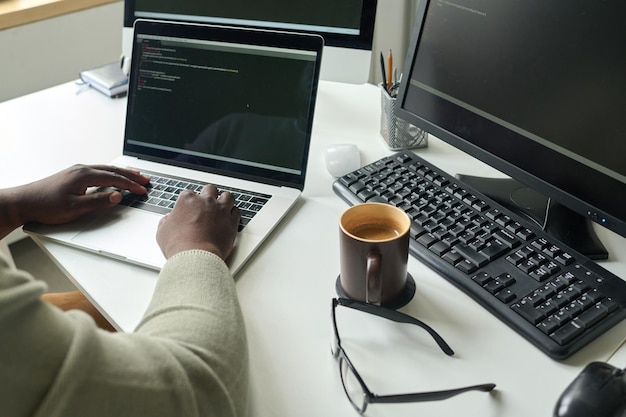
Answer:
(63, 197)
(200, 221)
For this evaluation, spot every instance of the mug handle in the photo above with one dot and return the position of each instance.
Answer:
(373, 279)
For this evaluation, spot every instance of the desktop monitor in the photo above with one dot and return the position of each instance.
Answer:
(536, 90)
(347, 26)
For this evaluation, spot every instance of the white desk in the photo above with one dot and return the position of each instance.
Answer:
(285, 290)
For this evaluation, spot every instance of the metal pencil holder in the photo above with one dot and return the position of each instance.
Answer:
(397, 133)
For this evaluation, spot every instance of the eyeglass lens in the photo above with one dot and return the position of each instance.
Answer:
(352, 386)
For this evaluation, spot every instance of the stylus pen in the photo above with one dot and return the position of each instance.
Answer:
(389, 70)
(384, 73)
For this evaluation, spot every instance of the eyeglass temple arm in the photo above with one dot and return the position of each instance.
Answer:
(398, 317)
(429, 396)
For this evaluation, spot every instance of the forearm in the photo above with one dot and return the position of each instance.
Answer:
(195, 303)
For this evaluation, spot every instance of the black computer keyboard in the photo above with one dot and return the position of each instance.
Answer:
(556, 298)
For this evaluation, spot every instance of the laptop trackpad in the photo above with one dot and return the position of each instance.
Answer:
(128, 234)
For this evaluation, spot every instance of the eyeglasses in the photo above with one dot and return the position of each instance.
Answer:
(357, 391)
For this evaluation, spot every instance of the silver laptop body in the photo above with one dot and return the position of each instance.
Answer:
(232, 107)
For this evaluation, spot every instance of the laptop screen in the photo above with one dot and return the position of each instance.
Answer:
(227, 100)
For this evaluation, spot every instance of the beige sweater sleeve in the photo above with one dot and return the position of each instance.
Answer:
(188, 356)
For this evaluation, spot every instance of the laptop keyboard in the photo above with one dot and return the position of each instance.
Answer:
(554, 297)
(163, 192)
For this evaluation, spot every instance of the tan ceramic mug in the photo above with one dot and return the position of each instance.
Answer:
(374, 248)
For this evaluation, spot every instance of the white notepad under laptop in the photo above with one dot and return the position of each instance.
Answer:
(216, 105)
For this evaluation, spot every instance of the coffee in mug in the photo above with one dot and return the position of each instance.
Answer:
(374, 248)
(375, 231)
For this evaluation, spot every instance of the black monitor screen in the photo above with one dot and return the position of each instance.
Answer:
(536, 89)
(346, 23)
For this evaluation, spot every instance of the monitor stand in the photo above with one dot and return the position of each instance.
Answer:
(562, 223)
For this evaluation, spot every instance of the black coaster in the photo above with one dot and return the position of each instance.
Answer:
(400, 301)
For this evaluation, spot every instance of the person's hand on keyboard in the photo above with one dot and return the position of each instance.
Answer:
(200, 221)
(64, 196)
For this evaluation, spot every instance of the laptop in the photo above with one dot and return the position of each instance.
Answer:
(227, 106)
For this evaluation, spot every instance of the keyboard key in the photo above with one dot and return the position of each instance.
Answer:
(549, 325)
(506, 279)
(466, 266)
(482, 279)
(439, 248)
(564, 259)
(356, 187)
(515, 258)
(149, 207)
(567, 333)
(528, 311)
(426, 239)
(494, 249)
(471, 255)
(452, 257)
(506, 238)
(591, 316)
(506, 295)
(548, 308)
(494, 286)
(525, 234)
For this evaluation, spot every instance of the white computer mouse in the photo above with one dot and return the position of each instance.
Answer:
(342, 158)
